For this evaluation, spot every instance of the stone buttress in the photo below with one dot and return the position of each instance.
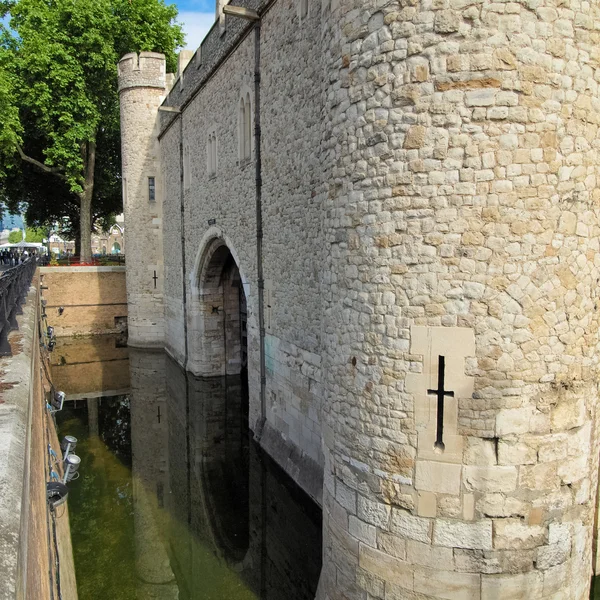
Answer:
(462, 225)
(142, 87)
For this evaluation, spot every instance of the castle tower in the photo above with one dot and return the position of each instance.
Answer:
(461, 338)
(142, 87)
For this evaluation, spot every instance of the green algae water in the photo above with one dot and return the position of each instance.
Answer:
(174, 500)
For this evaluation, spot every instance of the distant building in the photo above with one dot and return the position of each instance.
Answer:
(109, 242)
(103, 242)
(57, 245)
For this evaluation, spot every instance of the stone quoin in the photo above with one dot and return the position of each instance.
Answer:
(425, 253)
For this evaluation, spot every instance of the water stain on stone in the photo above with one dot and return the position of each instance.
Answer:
(5, 386)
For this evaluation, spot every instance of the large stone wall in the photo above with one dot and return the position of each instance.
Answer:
(29, 567)
(223, 206)
(463, 226)
(90, 367)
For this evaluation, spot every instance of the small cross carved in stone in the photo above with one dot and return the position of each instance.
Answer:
(440, 393)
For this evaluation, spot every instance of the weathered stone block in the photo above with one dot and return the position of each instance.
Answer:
(514, 534)
(523, 586)
(388, 568)
(375, 513)
(415, 137)
(449, 585)
(490, 479)
(414, 528)
(446, 21)
(454, 534)
(438, 477)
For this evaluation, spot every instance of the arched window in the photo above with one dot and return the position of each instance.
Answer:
(245, 128)
(241, 130)
(116, 249)
(211, 154)
(248, 127)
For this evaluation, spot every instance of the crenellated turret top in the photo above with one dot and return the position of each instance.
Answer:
(146, 70)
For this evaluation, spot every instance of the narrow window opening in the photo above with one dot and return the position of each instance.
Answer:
(151, 189)
(242, 130)
(245, 129)
(186, 168)
(211, 151)
(214, 153)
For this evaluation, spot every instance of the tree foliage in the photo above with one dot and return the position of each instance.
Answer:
(32, 234)
(59, 105)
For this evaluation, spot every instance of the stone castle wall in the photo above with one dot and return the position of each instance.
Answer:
(430, 206)
(464, 225)
(223, 206)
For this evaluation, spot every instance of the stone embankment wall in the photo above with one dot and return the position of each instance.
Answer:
(29, 564)
(93, 367)
(94, 299)
(463, 226)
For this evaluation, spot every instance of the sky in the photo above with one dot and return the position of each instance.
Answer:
(197, 17)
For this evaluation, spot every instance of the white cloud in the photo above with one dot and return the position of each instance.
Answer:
(195, 26)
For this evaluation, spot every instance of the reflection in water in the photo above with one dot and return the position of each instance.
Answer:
(202, 513)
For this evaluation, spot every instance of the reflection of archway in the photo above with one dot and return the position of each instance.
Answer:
(116, 249)
(221, 438)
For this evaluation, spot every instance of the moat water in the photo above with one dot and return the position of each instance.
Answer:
(174, 500)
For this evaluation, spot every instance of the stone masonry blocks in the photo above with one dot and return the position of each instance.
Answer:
(430, 188)
(461, 161)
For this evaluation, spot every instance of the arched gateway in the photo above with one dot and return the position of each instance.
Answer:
(217, 335)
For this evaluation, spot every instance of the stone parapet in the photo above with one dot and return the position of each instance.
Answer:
(219, 42)
(146, 70)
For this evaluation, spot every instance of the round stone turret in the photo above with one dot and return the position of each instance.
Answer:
(142, 87)
(461, 343)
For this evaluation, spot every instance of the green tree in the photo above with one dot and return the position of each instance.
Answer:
(59, 105)
(32, 234)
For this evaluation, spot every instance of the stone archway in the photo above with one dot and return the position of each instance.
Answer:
(217, 314)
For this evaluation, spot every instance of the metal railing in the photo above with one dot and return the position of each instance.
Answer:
(14, 283)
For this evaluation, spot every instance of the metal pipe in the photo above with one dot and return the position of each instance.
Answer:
(183, 266)
(259, 229)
